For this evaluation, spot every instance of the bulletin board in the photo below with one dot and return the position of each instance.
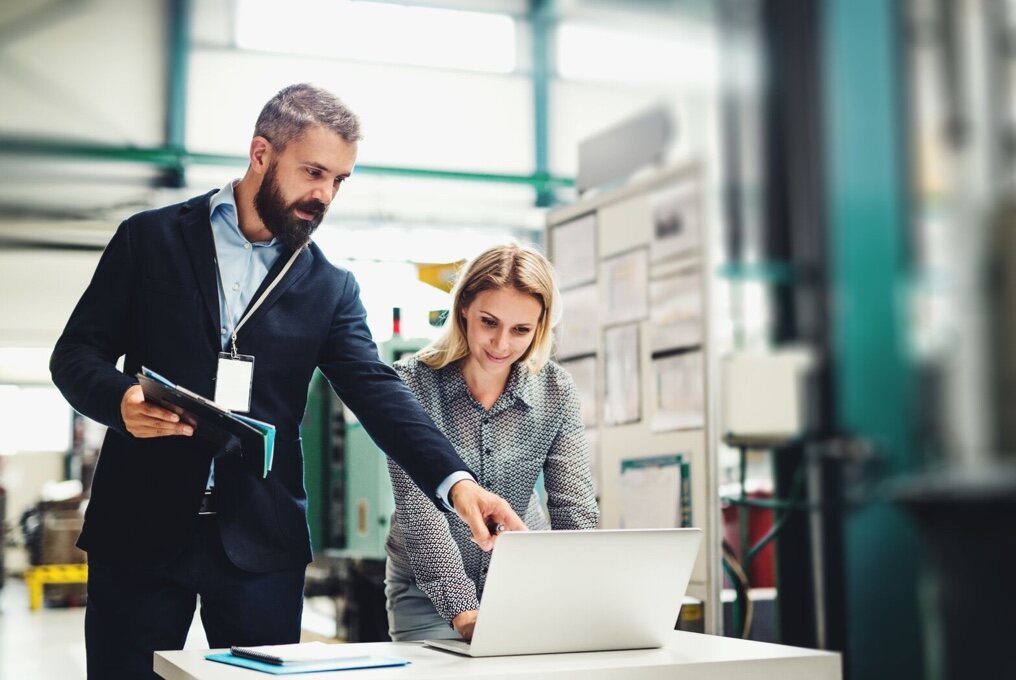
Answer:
(635, 335)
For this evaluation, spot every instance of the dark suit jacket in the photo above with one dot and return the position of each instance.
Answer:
(153, 299)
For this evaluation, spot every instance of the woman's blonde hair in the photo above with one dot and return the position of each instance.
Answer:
(508, 266)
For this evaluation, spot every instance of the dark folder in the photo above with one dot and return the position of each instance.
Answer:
(211, 421)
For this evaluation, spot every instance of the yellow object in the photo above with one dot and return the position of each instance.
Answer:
(440, 276)
(37, 577)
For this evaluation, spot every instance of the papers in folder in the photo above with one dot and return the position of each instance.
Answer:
(308, 657)
(211, 421)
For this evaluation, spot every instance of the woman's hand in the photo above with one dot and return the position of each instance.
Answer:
(464, 623)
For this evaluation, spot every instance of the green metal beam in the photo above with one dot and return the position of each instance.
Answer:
(868, 196)
(541, 12)
(178, 40)
(167, 157)
(179, 50)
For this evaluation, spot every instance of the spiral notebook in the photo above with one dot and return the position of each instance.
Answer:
(309, 657)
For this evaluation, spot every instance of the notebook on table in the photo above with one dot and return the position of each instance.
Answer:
(308, 657)
(581, 591)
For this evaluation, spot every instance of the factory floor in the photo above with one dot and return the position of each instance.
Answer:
(50, 642)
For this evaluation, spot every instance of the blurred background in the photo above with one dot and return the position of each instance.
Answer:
(855, 164)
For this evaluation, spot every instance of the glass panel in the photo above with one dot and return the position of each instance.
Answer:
(379, 32)
(425, 118)
(595, 53)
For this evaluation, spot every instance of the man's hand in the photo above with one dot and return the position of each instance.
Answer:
(479, 508)
(145, 420)
(464, 623)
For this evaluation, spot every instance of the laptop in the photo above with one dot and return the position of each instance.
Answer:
(581, 591)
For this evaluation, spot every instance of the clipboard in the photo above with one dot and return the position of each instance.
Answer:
(212, 422)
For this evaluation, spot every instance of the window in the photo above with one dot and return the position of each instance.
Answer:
(594, 53)
(33, 419)
(379, 32)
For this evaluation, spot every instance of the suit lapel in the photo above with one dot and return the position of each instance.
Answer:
(300, 267)
(196, 230)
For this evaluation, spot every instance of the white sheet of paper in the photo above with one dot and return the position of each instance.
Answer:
(580, 326)
(626, 287)
(651, 493)
(677, 217)
(679, 393)
(573, 245)
(675, 312)
(233, 383)
(622, 388)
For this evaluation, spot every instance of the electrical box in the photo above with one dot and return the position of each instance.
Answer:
(762, 402)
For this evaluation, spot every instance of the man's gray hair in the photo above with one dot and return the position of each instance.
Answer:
(297, 107)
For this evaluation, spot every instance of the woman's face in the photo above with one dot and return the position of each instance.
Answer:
(500, 326)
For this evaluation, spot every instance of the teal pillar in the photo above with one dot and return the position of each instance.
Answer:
(178, 39)
(868, 196)
(541, 20)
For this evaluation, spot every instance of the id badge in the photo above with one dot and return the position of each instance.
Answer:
(234, 381)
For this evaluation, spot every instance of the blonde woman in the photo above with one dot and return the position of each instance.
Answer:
(489, 385)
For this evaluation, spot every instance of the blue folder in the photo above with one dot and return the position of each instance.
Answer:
(314, 667)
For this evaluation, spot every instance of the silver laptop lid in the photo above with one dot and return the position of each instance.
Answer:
(570, 591)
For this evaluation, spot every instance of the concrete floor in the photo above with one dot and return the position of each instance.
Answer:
(50, 643)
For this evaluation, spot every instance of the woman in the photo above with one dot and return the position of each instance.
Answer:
(511, 413)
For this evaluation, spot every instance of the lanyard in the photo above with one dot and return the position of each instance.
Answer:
(254, 307)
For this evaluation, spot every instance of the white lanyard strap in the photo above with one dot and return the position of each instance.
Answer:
(254, 307)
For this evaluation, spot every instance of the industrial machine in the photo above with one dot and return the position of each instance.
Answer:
(350, 504)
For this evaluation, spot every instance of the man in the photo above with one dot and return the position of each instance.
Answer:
(225, 295)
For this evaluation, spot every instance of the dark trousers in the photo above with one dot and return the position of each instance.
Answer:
(133, 612)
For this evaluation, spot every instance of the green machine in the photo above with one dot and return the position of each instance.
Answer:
(349, 495)
(368, 502)
(349, 506)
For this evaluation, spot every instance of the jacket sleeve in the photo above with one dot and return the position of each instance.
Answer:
(567, 475)
(389, 412)
(83, 364)
(433, 553)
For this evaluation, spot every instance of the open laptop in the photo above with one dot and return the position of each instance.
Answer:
(581, 591)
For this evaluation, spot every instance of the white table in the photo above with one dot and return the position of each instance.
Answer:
(687, 655)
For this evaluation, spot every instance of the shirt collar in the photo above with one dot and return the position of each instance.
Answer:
(518, 388)
(224, 202)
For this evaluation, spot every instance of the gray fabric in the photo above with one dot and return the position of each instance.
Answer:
(535, 426)
(411, 614)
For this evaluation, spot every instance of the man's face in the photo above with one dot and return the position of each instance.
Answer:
(301, 182)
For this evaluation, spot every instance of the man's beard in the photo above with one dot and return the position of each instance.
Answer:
(281, 219)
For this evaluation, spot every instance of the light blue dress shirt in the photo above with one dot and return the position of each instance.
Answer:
(242, 267)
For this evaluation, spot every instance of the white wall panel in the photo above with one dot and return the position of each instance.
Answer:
(95, 72)
(38, 290)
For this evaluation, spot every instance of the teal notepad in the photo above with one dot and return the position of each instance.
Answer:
(268, 432)
(349, 664)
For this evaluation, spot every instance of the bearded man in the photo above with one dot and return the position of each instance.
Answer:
(226, 295)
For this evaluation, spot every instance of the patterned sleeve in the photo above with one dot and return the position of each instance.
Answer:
(434, 555)
(567, 473)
